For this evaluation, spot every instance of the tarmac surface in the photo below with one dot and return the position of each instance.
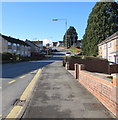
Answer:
(58, 95)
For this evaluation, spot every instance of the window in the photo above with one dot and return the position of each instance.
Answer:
(117, 42)
(9, 43)
(105, 46)
(18, 45)
(9, 50)
(109, 45)
(14, 44)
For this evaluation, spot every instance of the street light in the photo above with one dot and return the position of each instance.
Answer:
(65, 25)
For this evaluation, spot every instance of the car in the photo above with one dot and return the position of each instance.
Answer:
(68, 53)
(43, 53)
(111, 63)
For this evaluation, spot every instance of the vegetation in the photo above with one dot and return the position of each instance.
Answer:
(102, 23)
(70, 37)
(13, 57)
(74, 49)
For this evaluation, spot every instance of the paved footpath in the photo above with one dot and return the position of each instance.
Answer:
(58, 95)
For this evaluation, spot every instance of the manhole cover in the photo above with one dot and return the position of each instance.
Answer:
(19, 102)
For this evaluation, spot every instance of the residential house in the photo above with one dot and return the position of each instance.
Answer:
(13, 45)
(60, 44)
(48, 45)
(34, 48)
(79, 44)
(39, 44)
(108, 49)
(54, 44)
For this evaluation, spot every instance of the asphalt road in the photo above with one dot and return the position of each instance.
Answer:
(17, 76)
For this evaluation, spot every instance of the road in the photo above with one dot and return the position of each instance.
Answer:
(17, 76)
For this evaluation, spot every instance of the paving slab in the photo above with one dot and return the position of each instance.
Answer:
(59, 95)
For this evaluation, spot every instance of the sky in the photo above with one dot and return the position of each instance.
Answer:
(33, 20)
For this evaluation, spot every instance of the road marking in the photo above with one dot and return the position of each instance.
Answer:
(22, 76)
(14, 112)
(0, 115)
(0, 87)
(17, 110)
(28, 90)
(11, 81)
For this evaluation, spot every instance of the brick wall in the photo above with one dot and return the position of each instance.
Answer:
(105, 90)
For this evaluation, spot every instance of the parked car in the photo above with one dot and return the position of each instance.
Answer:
(43, 53)
(68, 53)
(111, 63)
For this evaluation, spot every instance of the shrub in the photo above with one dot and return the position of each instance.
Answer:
(6, 56)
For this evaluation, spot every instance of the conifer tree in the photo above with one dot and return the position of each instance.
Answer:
(102, 23)
(70, 37)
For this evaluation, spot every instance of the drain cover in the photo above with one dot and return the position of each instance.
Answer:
(19, 102)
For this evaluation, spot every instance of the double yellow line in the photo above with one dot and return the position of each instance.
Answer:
(15, 112)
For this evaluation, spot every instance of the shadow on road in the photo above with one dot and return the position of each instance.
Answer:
(19, 69)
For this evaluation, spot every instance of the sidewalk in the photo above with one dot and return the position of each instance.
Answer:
(58, 95)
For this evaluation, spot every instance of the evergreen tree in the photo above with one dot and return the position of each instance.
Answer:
(102, 23)
(70, 37)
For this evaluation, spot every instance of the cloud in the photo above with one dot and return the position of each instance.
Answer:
(45, 41)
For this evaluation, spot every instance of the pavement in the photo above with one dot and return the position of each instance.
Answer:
(58, 94)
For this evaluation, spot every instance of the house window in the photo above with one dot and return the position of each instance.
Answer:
(117, 42)
(109, 45)
(105, 46)
(9, 50)
(9, 43)
(14, 44)
(18, 45)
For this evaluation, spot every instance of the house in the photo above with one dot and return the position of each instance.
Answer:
(108, 49)
(54, 44)
(38, 43)
(13, 45)
(79, 44)
(48, 45)
(35, 49)
(60, 44)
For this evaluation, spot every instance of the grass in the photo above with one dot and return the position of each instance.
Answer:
(60, 47)
(74, 49)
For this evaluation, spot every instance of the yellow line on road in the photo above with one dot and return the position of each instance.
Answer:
(0, 87)
(11, 81)
(14, 112)
(0, 115)
(17, 110)
(30, 86)
(22, 76)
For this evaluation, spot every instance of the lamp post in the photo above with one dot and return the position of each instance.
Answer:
(66, 28)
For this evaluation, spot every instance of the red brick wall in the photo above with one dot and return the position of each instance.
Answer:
(105, 91)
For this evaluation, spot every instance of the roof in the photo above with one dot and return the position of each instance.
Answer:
(112, 37)
(32, 43)
(60, 41)
(37, 42)
(14, 40)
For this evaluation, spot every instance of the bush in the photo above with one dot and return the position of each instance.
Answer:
(6, 56)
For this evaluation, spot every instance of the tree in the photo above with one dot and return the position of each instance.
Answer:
(70, 37)
(102, 23)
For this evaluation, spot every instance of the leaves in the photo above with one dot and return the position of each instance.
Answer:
(102, 23)
(70, 37)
